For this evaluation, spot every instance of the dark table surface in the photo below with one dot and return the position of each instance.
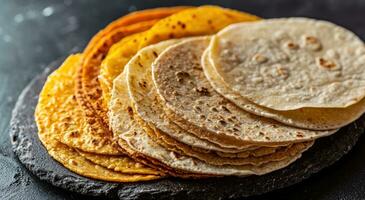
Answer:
(34, 33)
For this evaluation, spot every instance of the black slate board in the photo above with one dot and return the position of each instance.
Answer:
(32, 154)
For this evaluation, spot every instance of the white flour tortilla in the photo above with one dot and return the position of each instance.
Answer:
(194, 104)
(291, 63)
(308, 118)
(123, 124)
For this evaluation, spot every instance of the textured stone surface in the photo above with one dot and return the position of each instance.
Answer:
(33, 33)
(34, 156)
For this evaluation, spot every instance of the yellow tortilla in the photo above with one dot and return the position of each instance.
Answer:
(57, 114)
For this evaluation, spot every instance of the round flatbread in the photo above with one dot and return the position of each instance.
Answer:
(195, 105)
(140, 142)
(291, 63)
(255, 157)
(122, 122)
(123, 164)
(57, 113)
(148, 104)
(62, 111)
(137, 142)
(88, 89)
(203, 20)
(307, 118)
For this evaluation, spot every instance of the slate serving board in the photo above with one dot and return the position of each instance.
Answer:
(34, 32)
(33, 155)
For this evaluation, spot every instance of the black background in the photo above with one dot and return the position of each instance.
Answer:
(34, 33)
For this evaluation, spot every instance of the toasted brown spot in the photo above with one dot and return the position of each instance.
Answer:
(222, 122)
(139, 64)
(327, 64)
(197, 108)
(155, 54)
(292, 45)
(225, 109)
(202, 90)
(130, 111)
(74, 134)
(180, 75)
(214, 109)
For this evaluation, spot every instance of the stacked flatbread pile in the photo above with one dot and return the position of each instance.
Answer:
(200, 92)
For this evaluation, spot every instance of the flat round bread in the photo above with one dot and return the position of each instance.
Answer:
(203, 20)
(57, 113)
(62, 111)
(122, 122)
(255, 157)
(148, 105)
(88, 90)
(307, 118)
(291, 63)
(137, 142)
(123, 164)
(140, 142)
(195, 105)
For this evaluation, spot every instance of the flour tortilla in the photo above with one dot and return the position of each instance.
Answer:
(194, 104)
(138, 144)
(148, 104)
(291, 63)
(307, 118)
(57, 112)
(122, 121)
(173, 144)
(255, 157)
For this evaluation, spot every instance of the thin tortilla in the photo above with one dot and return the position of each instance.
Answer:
(146, 100)
(194, 104)
(57, 113)
(137, 143)
(88, 91)
(308, 118)
(292, 63)
(122, 121)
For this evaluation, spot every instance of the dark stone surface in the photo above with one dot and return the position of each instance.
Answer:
(35, 32)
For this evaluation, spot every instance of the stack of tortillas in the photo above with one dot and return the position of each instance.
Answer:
(200, 92)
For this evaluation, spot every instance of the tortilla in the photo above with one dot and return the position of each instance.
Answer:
(140, 142)
(213, 158)
(123, 164)
(140, 146)
(291, 63)
(58, 114)
(112, 33)
(204, 20)
(146, 100)
(122, 121)
(174, 145)
(66, 115)
(193, 104)
(70, 159)
(307, 118)
(88, 91)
